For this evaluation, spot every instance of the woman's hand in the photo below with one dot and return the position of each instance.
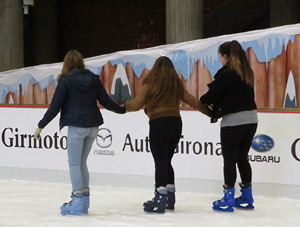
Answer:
(37, 133)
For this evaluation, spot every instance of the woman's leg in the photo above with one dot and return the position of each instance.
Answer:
(243, 163)
(159, 151)
(230, 140)
(75, 142)
(87, 145)
(176, 129)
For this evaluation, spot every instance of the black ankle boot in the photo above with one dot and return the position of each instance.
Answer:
(171, 201)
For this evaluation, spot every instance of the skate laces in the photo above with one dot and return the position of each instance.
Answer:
(151, 201)
(70, 203)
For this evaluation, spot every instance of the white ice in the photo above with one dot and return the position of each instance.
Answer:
(36, 204)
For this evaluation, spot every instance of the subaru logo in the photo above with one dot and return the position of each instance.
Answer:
(262, 143)
(104, 138)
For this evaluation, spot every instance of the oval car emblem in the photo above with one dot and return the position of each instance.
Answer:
(104, 138)
(262, 143)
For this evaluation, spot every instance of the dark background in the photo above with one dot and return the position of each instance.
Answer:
(96, 27)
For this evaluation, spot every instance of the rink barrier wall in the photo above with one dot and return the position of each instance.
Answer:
(145, 182)
(122, 147)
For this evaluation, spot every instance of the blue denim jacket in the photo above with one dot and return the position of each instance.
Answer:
(76, 97)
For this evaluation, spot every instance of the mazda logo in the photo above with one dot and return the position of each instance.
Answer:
(262, 143)
(104, 138)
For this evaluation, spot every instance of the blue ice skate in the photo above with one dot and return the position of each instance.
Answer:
(227, 202)
(74, 207)
(86, 204)
(245, 201)
(157, 204)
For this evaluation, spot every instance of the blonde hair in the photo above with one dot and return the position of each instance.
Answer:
(164, 85)
(237, 60)
(72, 60)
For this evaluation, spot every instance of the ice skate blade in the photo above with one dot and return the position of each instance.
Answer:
(170, 209)
(248, 207)
(64, 213)
(153, 210)
(85, 212)
(223, 209)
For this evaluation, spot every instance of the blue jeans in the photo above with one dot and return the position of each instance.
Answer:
(80, 141)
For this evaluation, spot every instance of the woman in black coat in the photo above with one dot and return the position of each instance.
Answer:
(231, 96)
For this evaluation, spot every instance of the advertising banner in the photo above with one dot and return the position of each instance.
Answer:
(122, 145)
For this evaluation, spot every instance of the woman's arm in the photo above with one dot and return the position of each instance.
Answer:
(216, 88)
(139, 101)
(195, 103)
(57, 102)
(106, 101)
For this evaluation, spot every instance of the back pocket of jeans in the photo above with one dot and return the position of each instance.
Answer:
(80, 131)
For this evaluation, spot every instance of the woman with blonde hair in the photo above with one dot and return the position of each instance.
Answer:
(232, 96)
(76, 97)
(161, 94)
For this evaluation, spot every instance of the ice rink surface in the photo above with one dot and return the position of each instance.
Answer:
(36, 204)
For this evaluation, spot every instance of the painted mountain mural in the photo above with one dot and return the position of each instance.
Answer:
(120, 89)
(274, 56)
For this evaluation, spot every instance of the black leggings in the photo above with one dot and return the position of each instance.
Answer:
(236, 142)
(165, 134)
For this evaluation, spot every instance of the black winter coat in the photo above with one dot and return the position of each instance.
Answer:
(76, 98)
(229, 94)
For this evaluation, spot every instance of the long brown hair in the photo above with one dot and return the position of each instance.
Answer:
(237, 60)
(164, 85)
(72, 60)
